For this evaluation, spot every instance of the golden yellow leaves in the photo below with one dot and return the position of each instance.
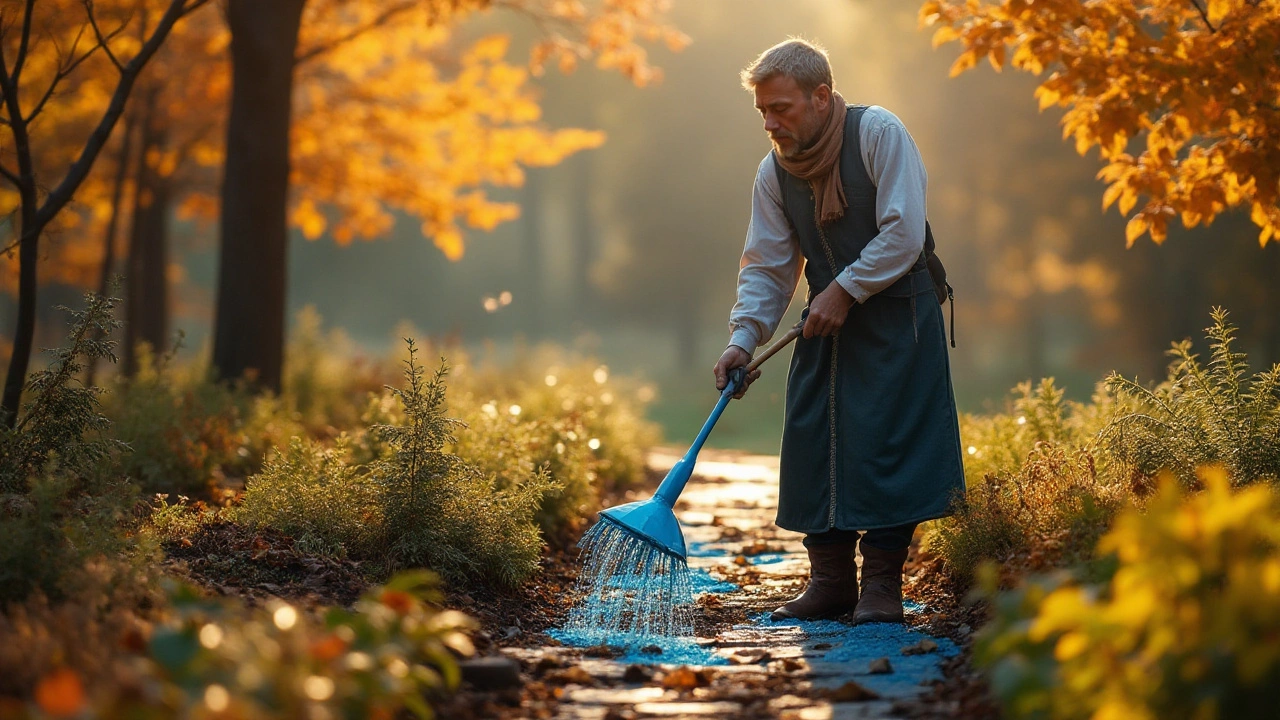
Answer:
(1190, 614)
(1207, 100)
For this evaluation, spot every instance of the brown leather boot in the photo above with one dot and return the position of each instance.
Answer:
(881, 586)
(833, 585)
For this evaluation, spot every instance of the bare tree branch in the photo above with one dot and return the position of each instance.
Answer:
(194, 6)
(12, 177)
(303, 56)
(61, 195)
(104, 40)
(25, 42)
(62, 74)
(1204, 15)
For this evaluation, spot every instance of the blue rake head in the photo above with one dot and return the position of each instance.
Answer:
(652, 520)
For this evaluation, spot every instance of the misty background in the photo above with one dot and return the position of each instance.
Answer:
(630, 252)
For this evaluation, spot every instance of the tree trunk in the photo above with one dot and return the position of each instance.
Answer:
(584, 238)
(252, 271)
(113, 221)
(147, 298)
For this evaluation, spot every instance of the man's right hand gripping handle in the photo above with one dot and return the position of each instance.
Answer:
(733, 357)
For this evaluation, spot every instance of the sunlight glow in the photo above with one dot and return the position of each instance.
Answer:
(210, 636)
(359, 661)
(217, 698)
(594, 443)
(318, 687)
(285, 617)
(601, 375)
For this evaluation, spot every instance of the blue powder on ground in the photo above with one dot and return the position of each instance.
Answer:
(859, 645)
(766, 558)
(675, 650)
(703, 583)
(705, 549)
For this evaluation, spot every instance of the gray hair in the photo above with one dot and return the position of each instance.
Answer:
(797, 58)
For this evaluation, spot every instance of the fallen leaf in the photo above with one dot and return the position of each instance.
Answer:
(683, 678)
(880, 666)
(572, 675)
(60, 693)
(637, 674)
(749, 657)
(850, 692)
(924, 646)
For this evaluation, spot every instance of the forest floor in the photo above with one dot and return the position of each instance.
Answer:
(745, 666)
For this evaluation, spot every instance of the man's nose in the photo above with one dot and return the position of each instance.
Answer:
(771, 123)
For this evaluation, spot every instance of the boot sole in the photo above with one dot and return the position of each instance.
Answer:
(823, 616)
(879, 618)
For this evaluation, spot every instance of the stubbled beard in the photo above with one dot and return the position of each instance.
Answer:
(796, 147)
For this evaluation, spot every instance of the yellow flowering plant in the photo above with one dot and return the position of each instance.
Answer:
(1187, 625)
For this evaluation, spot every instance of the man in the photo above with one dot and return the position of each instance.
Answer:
(871, 442)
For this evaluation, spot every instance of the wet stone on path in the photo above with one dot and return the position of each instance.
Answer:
(742, 664)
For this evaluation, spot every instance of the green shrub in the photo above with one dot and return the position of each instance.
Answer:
(189, 434)
(325, 379)
(62, 419)
(411, 503)
(1201, 414)
(1034, 495)
(1186, 626)
(566, 415)
(60, 507)
(314, 494)
(441, 511)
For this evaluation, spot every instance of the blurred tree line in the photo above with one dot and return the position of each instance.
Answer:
(394, 132)
(320, 114)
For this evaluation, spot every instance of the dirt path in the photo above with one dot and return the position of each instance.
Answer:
(747, 666)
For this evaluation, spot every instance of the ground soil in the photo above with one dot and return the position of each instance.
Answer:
(228, 559)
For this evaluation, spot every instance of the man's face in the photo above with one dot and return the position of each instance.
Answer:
(792, 117)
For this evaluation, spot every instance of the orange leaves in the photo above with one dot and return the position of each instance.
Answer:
(381, 127)
(1202, 101)
(966, 60)
(61, 693)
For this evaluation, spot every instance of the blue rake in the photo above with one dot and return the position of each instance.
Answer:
(654, 520)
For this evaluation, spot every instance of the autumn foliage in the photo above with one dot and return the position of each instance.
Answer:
(1181, 97)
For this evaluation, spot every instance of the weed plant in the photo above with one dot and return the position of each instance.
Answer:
(1202, 414)
(61, 506)
(1035, 496)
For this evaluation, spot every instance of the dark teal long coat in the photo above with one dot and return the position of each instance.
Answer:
(871, 438)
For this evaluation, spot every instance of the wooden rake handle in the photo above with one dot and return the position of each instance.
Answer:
(782, 342)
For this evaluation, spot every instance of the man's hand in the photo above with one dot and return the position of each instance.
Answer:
(733, 357)
(828, 311)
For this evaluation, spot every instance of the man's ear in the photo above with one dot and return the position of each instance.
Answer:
(821, 97)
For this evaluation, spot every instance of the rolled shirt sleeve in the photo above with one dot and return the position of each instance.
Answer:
(770, 267)
(893, 161)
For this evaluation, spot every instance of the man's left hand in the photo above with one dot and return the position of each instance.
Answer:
(828, 311)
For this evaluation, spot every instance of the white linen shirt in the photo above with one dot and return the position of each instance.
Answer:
(772, 262)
